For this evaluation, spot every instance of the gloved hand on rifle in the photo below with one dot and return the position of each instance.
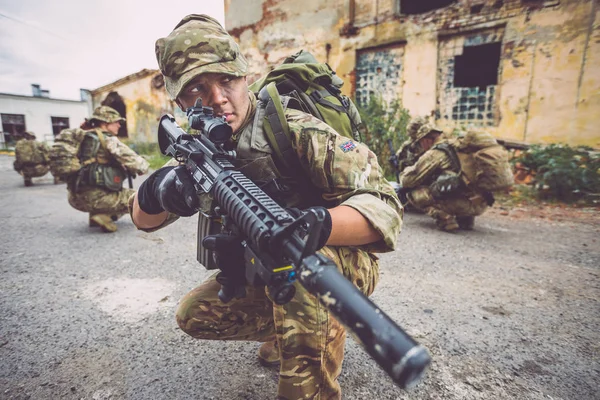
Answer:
(169, 189)
(325, 228)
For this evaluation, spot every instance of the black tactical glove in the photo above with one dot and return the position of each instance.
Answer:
(445, 186)
(325, 228)
(169, 189)
(228, 253)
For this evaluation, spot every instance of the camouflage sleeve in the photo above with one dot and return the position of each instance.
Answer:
(128, 158)
(430, 163)
(348, 174)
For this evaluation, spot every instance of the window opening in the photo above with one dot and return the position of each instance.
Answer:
(114, 100)
(411, 7)
(12, 124)
(477, 66)
(58, 124)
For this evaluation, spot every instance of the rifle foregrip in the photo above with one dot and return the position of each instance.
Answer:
(254, 212)
(392, 348)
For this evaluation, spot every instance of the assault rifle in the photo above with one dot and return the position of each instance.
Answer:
(280, 249)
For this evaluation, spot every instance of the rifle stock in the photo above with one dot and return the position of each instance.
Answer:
(277, 252)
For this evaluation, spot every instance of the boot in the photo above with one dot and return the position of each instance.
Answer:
(466, 223)
(92, 223)
(447, 224)
(28, 181)
(105, 222)
(268, 354)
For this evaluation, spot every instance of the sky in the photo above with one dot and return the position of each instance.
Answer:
(65, 45)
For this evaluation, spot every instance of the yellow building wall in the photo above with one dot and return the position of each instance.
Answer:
(145, 104)
(548, 84)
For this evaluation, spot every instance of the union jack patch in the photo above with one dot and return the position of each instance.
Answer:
(347, 146)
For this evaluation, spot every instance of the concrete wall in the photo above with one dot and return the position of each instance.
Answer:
(38, 112)
(548, 83)
(145, 99)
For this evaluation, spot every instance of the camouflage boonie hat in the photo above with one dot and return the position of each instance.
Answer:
(425, 129)
(414, 125)
(106, 114)
(27, 135)
(197, 45)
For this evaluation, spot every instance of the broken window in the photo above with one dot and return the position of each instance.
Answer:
(58, 124)
(12, 124)
(411, 7)
(477, 66)
(469, 70)
(379, 71)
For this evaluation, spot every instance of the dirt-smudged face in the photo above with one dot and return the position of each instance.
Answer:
(226, 94)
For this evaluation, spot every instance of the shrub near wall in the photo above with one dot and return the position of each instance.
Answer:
(384, 122)
(562, 172)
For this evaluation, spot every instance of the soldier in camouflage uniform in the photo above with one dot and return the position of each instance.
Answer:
(98, 187)
(199, 59)
(421, 183)
(31, 157)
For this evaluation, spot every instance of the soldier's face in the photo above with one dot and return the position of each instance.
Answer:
(226, 94)
(113, 127)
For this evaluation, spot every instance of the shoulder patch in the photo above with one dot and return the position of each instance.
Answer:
(347, 146)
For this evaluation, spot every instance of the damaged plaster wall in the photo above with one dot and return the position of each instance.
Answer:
(145, 100)
(548, 82)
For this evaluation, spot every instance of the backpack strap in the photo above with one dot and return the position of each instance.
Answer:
(276, 127)
(451, 153)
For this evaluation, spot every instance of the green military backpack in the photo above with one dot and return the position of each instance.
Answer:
(304, 84)
(481, 162)
(63, 158)
(30, 152)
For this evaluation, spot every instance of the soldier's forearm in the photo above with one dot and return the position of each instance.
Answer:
(146, 221)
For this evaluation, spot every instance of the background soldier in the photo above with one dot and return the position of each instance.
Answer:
(98, 187)
(31, 157)
(433, 185)
(200, 60)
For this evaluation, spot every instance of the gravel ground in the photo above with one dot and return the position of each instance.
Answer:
(507, 311)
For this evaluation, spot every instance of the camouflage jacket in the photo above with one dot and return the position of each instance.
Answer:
(119, 153)
(428, 167)
(342, 172)
(30, 153)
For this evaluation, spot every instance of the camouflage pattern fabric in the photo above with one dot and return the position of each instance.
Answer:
(341, 171)
(311, 341)
(106, 114)
(97, 200)
(199, 47)
(31, 158)
(430, 165)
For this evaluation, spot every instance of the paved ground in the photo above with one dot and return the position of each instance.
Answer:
(508, 311)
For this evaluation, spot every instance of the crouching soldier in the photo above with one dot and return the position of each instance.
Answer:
(31, 157)
(98, 186)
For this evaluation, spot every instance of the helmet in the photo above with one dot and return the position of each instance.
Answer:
(414, 125)
(424, 130)
(106, 114)
(197, 45)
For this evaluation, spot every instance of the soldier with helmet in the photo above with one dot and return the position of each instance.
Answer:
(31, 157)
(98, 186)
(433, 185)
(199, 60)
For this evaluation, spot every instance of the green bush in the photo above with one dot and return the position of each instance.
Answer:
(384, 122)
(151, 152)
(562, 172)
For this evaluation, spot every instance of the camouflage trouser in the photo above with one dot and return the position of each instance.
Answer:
(34, 171)
(466, 204)
(100, 201)
(311, 341)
